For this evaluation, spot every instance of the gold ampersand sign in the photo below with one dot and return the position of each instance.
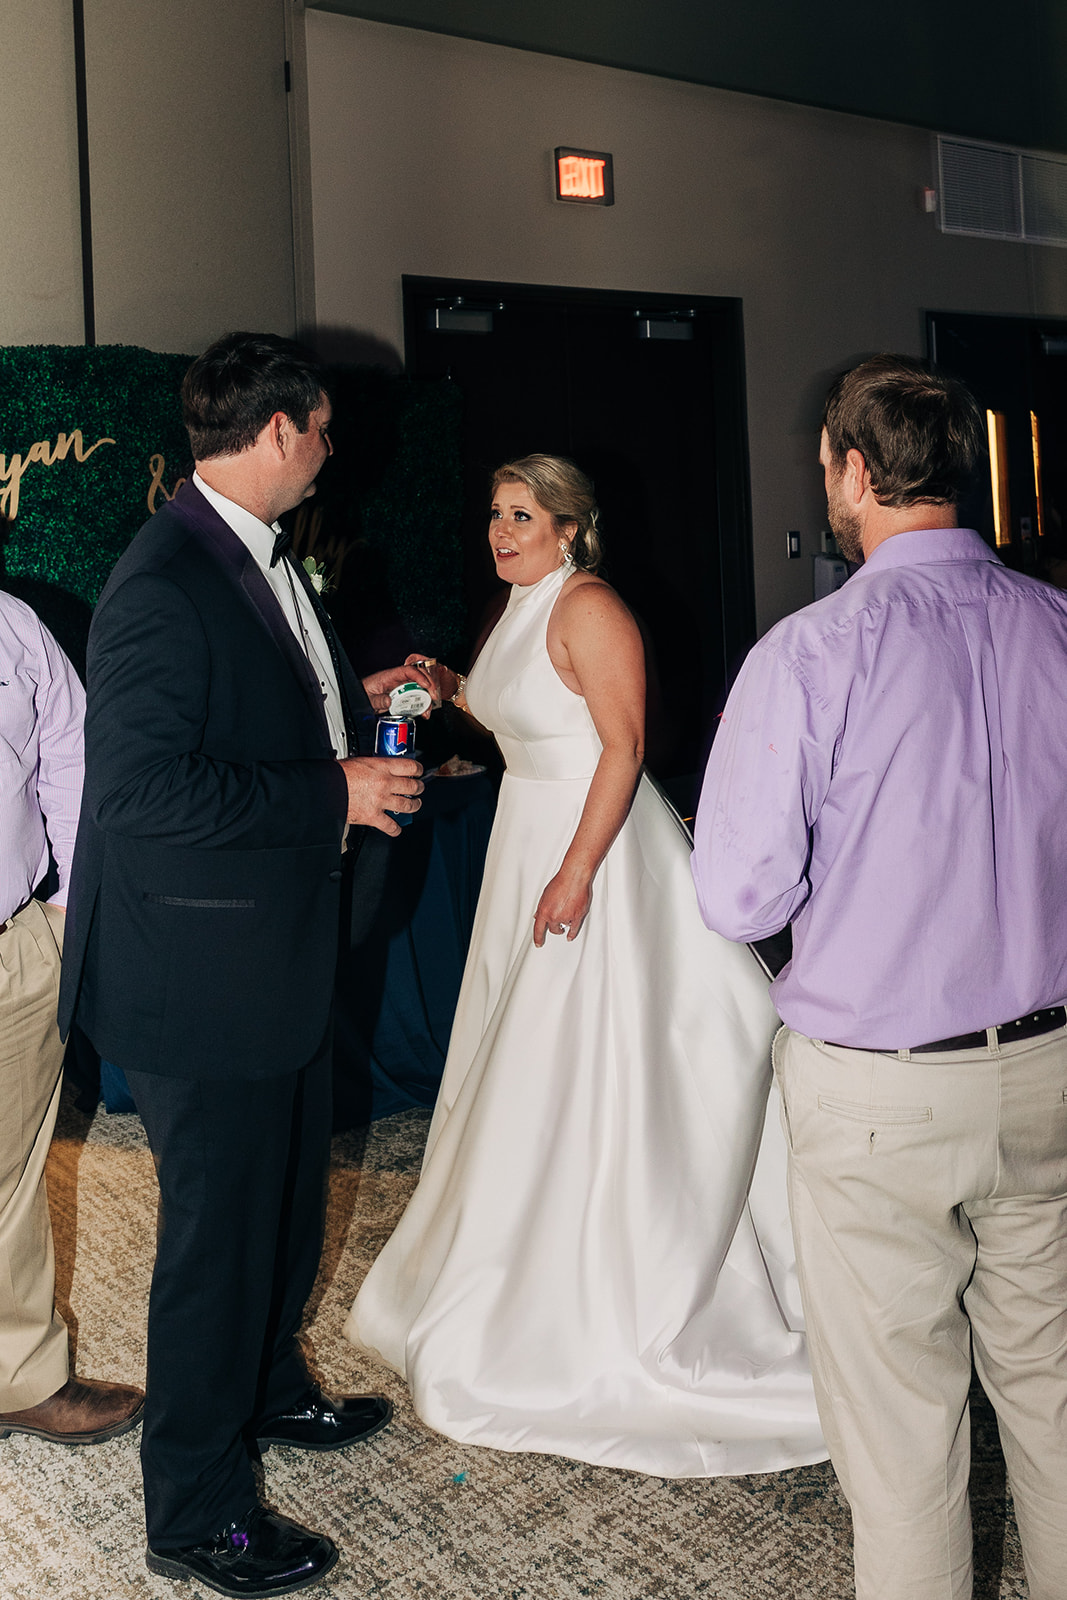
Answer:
(157, 465)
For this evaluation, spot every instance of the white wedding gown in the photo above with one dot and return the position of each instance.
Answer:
(590, 1266)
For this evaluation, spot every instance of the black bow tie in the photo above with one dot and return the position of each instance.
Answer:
(282, 542)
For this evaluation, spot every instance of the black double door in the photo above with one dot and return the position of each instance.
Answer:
(646, 394)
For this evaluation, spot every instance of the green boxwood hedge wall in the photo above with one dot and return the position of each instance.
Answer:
(92, 442)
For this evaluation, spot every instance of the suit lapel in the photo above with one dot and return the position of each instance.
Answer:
(235, 557)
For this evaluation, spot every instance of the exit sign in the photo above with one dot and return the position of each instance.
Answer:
(584, 177)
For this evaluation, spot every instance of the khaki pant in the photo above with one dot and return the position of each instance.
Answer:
(929, 1201)
(33, 1337)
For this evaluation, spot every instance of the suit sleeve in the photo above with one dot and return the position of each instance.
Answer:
(147, 774)
(765, 782)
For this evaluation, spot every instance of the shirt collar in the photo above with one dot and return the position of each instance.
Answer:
(921, 547)
(258, 537)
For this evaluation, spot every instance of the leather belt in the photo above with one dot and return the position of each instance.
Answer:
(1028, 1027)
(16, 913)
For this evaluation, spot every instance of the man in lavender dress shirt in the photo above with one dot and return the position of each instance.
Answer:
(890, 777)
(41, 709)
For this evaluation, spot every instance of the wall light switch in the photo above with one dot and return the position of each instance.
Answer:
(793, 545)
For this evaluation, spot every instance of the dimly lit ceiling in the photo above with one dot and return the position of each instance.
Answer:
(974, 67)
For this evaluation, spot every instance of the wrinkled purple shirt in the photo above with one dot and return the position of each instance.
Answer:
(890, 775)
(42, 706)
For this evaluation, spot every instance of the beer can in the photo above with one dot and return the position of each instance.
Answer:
(395, 736)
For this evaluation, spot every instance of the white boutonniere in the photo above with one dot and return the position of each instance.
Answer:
(315, 570)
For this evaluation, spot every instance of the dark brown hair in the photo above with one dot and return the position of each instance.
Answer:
(919, 431)
(230, 393)
(563, 489)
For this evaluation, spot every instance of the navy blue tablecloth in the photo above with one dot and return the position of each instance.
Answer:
(398, 983)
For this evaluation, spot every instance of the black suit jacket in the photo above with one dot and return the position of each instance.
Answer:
(203, 912)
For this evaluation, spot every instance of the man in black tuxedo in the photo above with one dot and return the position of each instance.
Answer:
(222, 787)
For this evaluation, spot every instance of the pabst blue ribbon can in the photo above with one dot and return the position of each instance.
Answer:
(395, 736)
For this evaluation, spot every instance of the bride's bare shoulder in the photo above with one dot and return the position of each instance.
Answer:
(586, 601)
(585, 591)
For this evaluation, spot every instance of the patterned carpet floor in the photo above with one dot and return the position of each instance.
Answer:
(416, 1517)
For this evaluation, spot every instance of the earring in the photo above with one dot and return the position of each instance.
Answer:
(564, 552)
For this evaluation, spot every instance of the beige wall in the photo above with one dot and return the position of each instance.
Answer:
(188, 150)
(40, 248)
(189, 172)
(431, 155)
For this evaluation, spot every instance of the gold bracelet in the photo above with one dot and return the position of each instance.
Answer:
(461, 684)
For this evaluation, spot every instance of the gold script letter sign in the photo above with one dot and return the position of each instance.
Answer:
(47, 454)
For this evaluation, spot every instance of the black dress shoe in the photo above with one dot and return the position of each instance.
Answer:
(316, 1423)
(262, 1554)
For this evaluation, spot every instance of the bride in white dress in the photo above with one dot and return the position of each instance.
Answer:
(597, 1261)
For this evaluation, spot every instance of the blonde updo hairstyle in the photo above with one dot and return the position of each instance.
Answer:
(563, 490)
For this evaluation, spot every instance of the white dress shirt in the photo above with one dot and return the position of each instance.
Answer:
(42, 706)
(258, 538)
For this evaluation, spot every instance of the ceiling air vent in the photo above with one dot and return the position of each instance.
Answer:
(994, 193)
